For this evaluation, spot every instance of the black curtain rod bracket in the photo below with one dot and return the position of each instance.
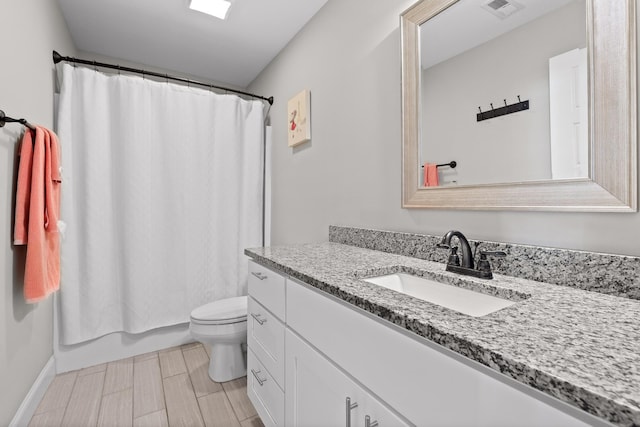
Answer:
(57, 58)
(4, 119)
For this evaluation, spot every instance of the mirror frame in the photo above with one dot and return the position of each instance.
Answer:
(612, 182)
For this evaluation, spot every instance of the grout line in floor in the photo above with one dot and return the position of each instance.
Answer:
(66, 406)
(104, 380)
(164, 394)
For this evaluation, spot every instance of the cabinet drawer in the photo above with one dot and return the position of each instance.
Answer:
(264, 393)
(266, 339)
(267, 287)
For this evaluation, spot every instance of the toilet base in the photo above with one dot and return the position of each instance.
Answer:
(228, 362)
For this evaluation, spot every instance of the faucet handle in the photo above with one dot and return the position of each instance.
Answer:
(483, 263)
(454, 259)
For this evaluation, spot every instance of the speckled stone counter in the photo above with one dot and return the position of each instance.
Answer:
(578, 346)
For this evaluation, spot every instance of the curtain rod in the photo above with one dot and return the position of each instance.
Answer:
(58, 58)
(6, 119)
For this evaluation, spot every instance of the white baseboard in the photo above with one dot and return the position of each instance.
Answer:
(36, 393)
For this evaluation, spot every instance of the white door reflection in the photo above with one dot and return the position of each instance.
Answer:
(569, 115)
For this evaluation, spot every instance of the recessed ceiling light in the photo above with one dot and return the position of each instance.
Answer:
(217, 8)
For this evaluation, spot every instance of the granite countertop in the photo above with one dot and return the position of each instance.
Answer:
(581, 347)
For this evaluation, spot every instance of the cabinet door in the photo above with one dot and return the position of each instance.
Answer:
(318, 392)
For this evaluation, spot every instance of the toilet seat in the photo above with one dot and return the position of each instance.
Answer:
(222, 312)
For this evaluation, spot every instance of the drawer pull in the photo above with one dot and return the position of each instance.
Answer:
(349, 407)
(369, 423)
(259, 318)
(259, 275)
(260, 380)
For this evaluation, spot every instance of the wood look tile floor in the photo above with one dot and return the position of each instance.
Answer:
(165, 388)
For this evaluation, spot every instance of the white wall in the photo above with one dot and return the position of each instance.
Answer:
(29, 31)
(511, 148)
(349, 57)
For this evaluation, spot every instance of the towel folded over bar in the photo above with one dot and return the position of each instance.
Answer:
(430, 175)
(37, 212)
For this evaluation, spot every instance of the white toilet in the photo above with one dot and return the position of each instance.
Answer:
(223, 326)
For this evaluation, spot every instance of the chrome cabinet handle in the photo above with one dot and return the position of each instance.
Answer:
(259, 319)
(369, 423)
(259, 275)
(260, 380)
(349, 407)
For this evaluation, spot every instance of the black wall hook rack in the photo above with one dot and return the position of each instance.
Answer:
(5, 119)
(451, 164)
(502, 111)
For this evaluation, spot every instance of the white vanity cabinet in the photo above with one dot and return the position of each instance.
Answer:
(334, 352)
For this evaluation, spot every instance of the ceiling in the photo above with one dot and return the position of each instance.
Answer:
(467, 24)
(169, 35)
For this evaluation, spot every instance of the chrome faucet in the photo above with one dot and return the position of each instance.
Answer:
(466, 267)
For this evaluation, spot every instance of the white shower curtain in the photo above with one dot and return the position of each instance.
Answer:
(162, 191)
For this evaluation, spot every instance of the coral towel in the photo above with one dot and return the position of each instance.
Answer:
(37, 212)
(430, 175)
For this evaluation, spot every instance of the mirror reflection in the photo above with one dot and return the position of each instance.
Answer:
(504, 93)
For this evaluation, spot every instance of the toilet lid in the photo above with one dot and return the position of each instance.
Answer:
(229, 309)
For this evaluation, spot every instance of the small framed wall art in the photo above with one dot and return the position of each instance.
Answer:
(299, 114)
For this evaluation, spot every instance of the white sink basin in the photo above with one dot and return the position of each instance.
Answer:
(465, 301)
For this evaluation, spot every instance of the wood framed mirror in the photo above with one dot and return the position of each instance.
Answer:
(611, 184)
